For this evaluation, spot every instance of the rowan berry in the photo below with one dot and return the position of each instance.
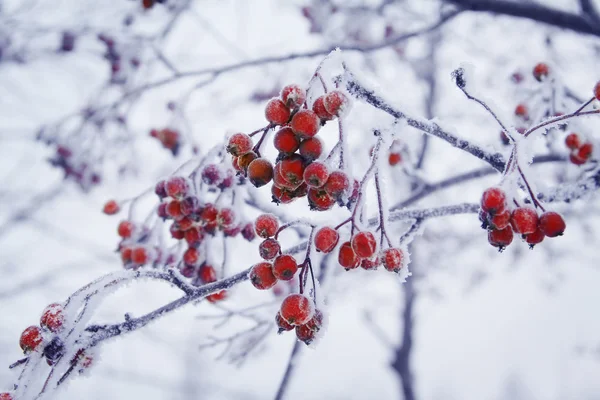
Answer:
(293, 96)
(207, 273)
(191, 256)
(316, 322)
(243, 161)
(305, 123)
(575, 159)
(248, 232)
(177, 187)
(336, 103)
(175, 232)
(521, 110)
(286, 141)
(53, 318)
(500, 220)
(291, 170)
(282, 324)
(394, 158)
(174, 210)
(364, 244)
(126, 255)
(161, 189)
(316, 174)
(260, 172)
(188, 270)
(276, 112)
(305, 334)
(572, 141)
(139, 255)
(326, 239)
(6, 396)
(30, 340)
(347, 258)
(284, 267)
(218, 296)
(597, 91)
(319, 109)
(392, 259)
(239, 144)
(211, 174)
(261, 276)
(125, 229)
(493, 200)
(541, 71)
(266, 225)
(162, 211)
(297, 309)
(226, 218)
(280, 195)
(534, 238)
(189, 205)
(585, 151)
(500, 237)
(111, 207)
(337, 184)
(311, 148)
(269, 248)
(320, 200)
(524, 220)
(370, 263)
(552, 224)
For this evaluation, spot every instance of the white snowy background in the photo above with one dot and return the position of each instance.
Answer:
(514, 325)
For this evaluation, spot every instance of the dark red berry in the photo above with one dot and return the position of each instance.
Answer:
(552, 224)
(261, 276)
(269, 249)
(284, 267)
(326, 239)
(524, 220)
(297, 309)
(364, 244)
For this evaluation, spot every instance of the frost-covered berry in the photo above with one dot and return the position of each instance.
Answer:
(266, 225)
(261, 276)
(541, 71)
(161, 189)
(189, 205)
(248, 232)
(392, 259)
(534, 238)
(305, 123)
(297, 309)
(284, 267)
(319, 109)
(524, 220)
(286, 141)
(260, 172)
(238, 144)
(316, 322)
(31, 339)
(336, 102)
(394, 158)
(370, 263)
(177, 187)
(320, 200)
(289, 172)
(311, 148)
(552, 224)
(597, 91)
(276, 112)
(211, 174)
(500, 220)
(174, 210)
(194, 236)
(226, 218)
(125, 229)
(293, 96)
(316, 174)
(6, 396)
(493, 200)
(326, 239)
(282, 324)
(282, 196)
(269, 249)
(191, 256)
(521, 111)
(243, 161)
(364, 244)
(585, 151)
(53, 318)
(575, 159)
(572, 141)
(337, 184)
(347, 258)
(500, 237)
(111, 207)
(207, 273)
(305, 334)
(218, 296)
(139, 255)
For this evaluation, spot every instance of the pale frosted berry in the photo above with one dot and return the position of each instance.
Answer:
(326, 239)
(297, 309)
(262, 277)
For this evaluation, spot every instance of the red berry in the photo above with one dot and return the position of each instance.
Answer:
(552, 224)
(282, 324)
(347, 258)
(364, 244)
(266, 225)
(248, 232)
(504, 138)
(147, 4)
(218, 296)
(162, 211)
(232, 231)
(320, 200)
(500, 220)
(269, 249)
(260, 172)
(239, 144)
(305, 334)
(572, 141)
(337, 184)
(31, 339)
(261, 276)
(188, 270)
(125, 229)
(394, 158)
(500, 238)
(297, 309)
(111, 207)
(392, 259)
(316, 174)
(575, 159)
(211, 175)
(53, 318)
(161, 189)
(177, 187)
(126, 255)
(174, 210)
(326, 239)
(524, 220)
(139, 255)
(370, 263)
(521, 110)
(305, 123)
(336, 103)
(226, 219)
(191, 256)
(284, 267)
(245, 159)
(316, 322)
(319, 109)
(534, 238)
(6, 396)
(276, 112)
(283, 196)
(311, 148)
(290, 172)
(541, 71)
(207, 273)
(189, 205)
(493, 200)
(286, 141)
(175, 232)
(597, 91)
(293, 96)
(228, 179)
(585, 151)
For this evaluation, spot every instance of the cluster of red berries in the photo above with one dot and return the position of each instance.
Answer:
(296, 172)
(298, 312)
(501, 222)
(115, 58)
(394, 153)
(360, 250)
(74, 168)
(45, 338)
(147, 4)
(169, 138)
(580, 152)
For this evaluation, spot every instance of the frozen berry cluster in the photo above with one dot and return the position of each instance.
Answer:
(169, 138)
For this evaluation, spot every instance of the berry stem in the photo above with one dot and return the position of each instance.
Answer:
(489, 110)
(18, 362)
(372, 169)
(266, 128)
(551, 121)
(258, 144)
(381, 212)
(531, 194)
